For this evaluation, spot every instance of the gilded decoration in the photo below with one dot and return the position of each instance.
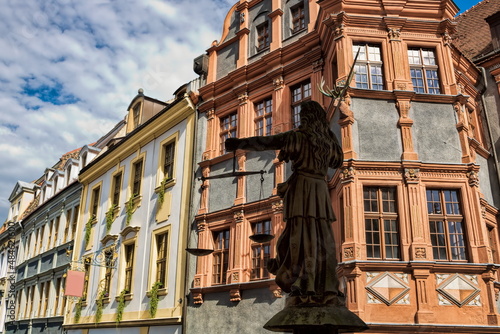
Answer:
(236, 277)
(387, 288)
(458, 289)
(348, 174)
(412, 175)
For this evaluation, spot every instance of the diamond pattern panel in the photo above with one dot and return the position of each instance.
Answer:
(387, 287)
(458, 289)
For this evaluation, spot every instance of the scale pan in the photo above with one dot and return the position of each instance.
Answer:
(261, 237)
(199, 251)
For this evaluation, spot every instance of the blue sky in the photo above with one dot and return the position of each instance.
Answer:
(465, 4)
(72, 68)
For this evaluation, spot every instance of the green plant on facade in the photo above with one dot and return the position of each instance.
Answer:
(110, 217)
(161, 191)
(153, 299)
(121, 305)
(100, 304)
(88, 230)
(129, 210)
(78, 310)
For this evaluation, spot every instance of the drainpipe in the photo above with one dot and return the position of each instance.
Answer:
(495, 157)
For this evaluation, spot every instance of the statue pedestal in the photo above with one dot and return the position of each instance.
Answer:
(309, 317)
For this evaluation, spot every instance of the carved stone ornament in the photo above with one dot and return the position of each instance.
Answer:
(420, 253)
(276, 290)
(473, 178)
(318, 65)
(202, 225)
(348, 173)
(447, 39)
(198, 298)
(349, 252)
(412, 175)
(210, 114)
(236, 277)
(278, 83)
(394, 34)
(242, 17)
(197, 281)
(243, 98)
(234, 295)
(401, 86)
(338, 31)
(238, 216)
(277, 207)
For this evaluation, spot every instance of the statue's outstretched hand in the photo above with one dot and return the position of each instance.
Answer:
(232, 144)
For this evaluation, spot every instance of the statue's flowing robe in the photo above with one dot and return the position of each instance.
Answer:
(305, 259)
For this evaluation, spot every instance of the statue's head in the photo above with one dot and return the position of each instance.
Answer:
(311, 113)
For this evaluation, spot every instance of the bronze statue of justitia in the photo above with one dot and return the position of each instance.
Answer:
(305, 263)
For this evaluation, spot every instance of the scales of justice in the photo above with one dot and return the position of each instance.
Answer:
(305, 263)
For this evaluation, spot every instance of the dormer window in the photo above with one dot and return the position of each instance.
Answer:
(68, 175)
(56, 179)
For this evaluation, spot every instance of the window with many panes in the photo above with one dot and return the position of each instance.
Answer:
(220, 257)
(168, 160)
(381, 223)
(161, 257)
(117, 186)
(368, 67)
(298, 18)
(446, 225)
(263, 117)
(129, 266)
(137, 178)
(261, 252)
(300, 93)
(228, 129)
(423, 70)
(263, 39)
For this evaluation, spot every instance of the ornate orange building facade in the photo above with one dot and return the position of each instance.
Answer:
(416, 198)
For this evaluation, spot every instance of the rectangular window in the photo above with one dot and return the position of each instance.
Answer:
(95, 201)
(74, 221)
(264, 117)
(109, 264)
(58, 295)
(41, 239)
(381, 223)
(129, 265)
(66, 236)
(446, 225)
(117, 186)
(161, 258)
(368, 67)
(220, 257)
(49, 239)
(263, 36)
(40, 300)
(136, 113)
(228, 129)
(298, 18)
(56, 229)
(423, 70)
(137, 178)
(261, 252)
(168, 160)
(300, 93)
(30, 301)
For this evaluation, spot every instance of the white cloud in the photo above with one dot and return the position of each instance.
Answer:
(73, 67)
